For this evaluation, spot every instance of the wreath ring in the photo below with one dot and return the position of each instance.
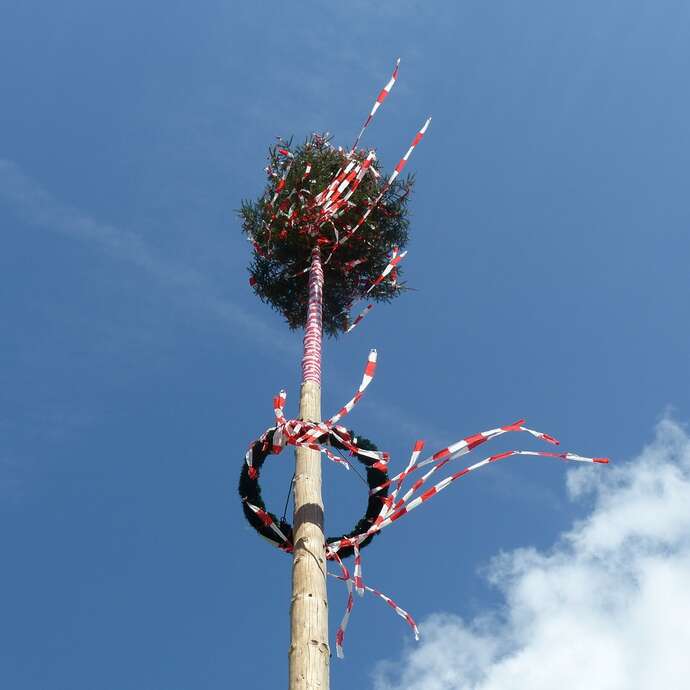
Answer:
(250, 493)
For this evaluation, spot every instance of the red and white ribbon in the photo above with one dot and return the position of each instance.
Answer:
(396, 258)
(466, 444)
(379, 100)
(269, 522)
(360, 318)
(445, 483)
(301, 433)
(322, 428)
(367, 378)
(281, 185)
(390, 499)
(340, 633)
(398, 169)
(403, 161)
(343, 186)
(359, 587)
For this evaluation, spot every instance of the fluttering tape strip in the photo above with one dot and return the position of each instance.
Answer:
(360, 317)
(398, 169)
(377, 104)
(349, 581)
(390, 269)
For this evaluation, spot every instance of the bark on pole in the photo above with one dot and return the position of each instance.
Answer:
(309, 655)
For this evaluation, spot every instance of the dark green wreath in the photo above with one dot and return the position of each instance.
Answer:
(250, 491)
(283, 233)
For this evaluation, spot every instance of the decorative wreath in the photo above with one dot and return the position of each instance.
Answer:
(250, 493)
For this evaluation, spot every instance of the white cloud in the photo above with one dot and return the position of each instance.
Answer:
(607, 608)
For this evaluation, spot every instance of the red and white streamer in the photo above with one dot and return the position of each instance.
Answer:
(379, 100)
(398, 169)
(359, 586)
(465, 445)
(340, 632)
(269, 522)
(403, 161)
(396, 258)
(367, 378)
(308, 434)
(325, 427)
(360, 318)
(406, 505)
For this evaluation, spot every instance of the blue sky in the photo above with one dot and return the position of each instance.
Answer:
(549, 254)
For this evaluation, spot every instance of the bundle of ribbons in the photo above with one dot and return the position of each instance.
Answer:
(396, 504)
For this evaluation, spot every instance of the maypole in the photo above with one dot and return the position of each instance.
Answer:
(309, 654)
(330, 231)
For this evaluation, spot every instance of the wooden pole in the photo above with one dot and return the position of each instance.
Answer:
(309, 654)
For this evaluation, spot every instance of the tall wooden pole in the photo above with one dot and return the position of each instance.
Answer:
(309, 655)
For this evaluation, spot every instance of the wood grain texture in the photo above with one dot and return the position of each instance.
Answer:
(309, 654)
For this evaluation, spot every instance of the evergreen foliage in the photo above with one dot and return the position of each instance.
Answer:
(285, 223)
